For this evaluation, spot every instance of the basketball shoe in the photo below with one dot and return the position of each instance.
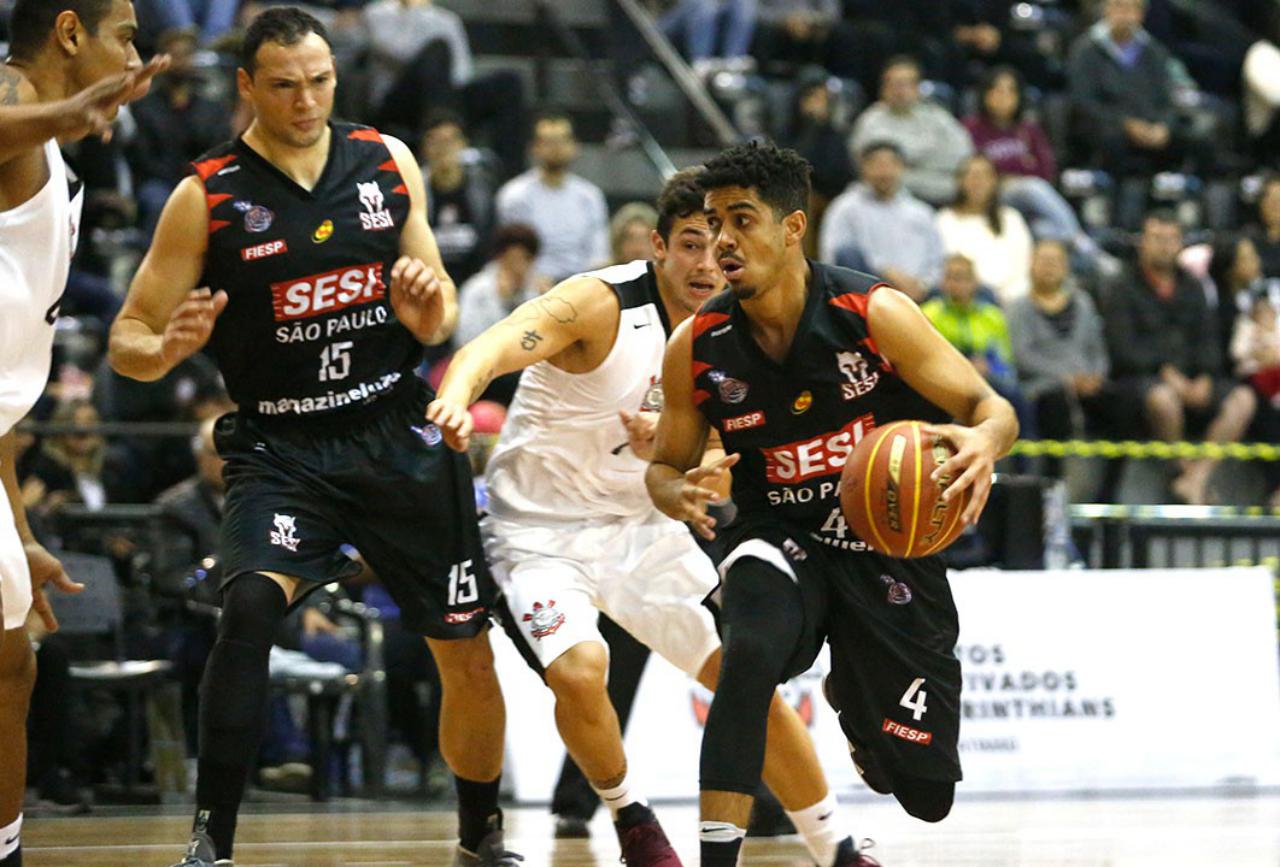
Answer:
(848, 855)
(492, 852)
(201, 853)
(643, 842)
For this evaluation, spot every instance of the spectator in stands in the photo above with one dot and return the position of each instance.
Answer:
(1166, 356)
(69, 466)
(175, 125)
(991, 235)
(801, 32)
(1266, 233)
(812, 134)
(711, 31)
(460, 193)
(501, 286)
(932, 142)
(1019, 148)
(420, 60)
(1059, 349)
(630, 230)
(567, 211)
(1121, 89)
(1236, 272)
(984, 35)
(975, 327)
(878, 226)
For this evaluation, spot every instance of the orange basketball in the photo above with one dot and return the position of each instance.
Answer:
(888, 497)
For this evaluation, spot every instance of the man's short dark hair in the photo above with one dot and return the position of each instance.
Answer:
(780, 176)
(883, 144)
(681, 197)
(551, 115)
(443, 117)
(516, 235)
(284, 25)
(902, 60)
(31, 21)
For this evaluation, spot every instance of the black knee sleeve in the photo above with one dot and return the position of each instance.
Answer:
(761, 622)
(929, 800)
(233, 690)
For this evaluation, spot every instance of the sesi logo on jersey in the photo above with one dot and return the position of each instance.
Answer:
(824, 455)
(328, 292)
(375, 217)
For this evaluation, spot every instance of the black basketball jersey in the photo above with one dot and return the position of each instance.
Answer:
(309, 329)
(795, 422)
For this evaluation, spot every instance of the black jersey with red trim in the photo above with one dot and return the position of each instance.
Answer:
(309, 329)
(794, 423)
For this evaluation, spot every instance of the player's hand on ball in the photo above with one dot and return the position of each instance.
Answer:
(191, 324)
(454, 420)
(971, 466)
(45, 569)
(642, 430)
(416, 296)
(698, 489)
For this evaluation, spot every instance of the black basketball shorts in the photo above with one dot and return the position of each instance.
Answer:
(382, 481)
(892, 628)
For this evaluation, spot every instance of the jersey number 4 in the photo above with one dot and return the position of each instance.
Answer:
(913, 699)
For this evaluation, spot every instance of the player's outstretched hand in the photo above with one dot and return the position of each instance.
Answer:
(970, 467)
(191, 324)
(416, 296)
(45, 569)
(93, 110)
(697, 490)
(642, 430)
(454, 420)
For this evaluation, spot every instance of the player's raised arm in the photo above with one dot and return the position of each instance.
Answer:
(165, 319)
(576, 310)
(423, 294)
(679, 484)
(933, 367)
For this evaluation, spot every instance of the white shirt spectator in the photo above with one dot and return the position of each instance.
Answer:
(572, 221)
(897, 233)
(1002, 262)
(397, 32)
(481, 304)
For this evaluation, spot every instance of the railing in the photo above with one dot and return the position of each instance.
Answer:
(1144, 537)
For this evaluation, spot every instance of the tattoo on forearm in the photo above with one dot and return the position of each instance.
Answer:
(9, 83)
(530, 340)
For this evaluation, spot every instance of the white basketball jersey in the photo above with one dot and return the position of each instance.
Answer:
(563, 453)
(37, 239)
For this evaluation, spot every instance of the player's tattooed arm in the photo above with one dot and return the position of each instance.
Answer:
(9, 82)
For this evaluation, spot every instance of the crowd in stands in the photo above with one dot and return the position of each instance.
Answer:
(959, 153)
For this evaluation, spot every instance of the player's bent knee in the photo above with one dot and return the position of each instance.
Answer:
(580, 674)
(927, 800)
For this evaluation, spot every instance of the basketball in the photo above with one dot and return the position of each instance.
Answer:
(888, 497)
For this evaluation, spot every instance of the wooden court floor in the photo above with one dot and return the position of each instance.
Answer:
(1181, 831)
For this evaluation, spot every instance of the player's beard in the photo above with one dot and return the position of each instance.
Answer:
(743, 292)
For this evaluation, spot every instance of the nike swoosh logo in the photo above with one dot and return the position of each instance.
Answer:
(825, 816)
(12, 840)
(641, 325)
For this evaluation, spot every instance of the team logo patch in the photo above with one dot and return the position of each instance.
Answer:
(285, 534)
(899, 593)
(262, 251)
(544, 620)
(256, 218)
(742, 422)
(323, 232)
(907, 733)
(375, 217)
(462, 616)
(862, 379)
(803, 401)
(653, 398)
(731, 390)
(429, 433)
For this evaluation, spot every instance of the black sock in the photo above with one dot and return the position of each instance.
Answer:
(721, 854)
(233, 703)
(478, 812)
(13, 859)
(634, 814)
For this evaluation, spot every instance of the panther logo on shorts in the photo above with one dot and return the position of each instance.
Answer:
(544, 620)
(285, 532)
(899, 593)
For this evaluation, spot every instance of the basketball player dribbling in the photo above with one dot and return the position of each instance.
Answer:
(571, 531)
(324, 282)
(791, 367)
(72, 65)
